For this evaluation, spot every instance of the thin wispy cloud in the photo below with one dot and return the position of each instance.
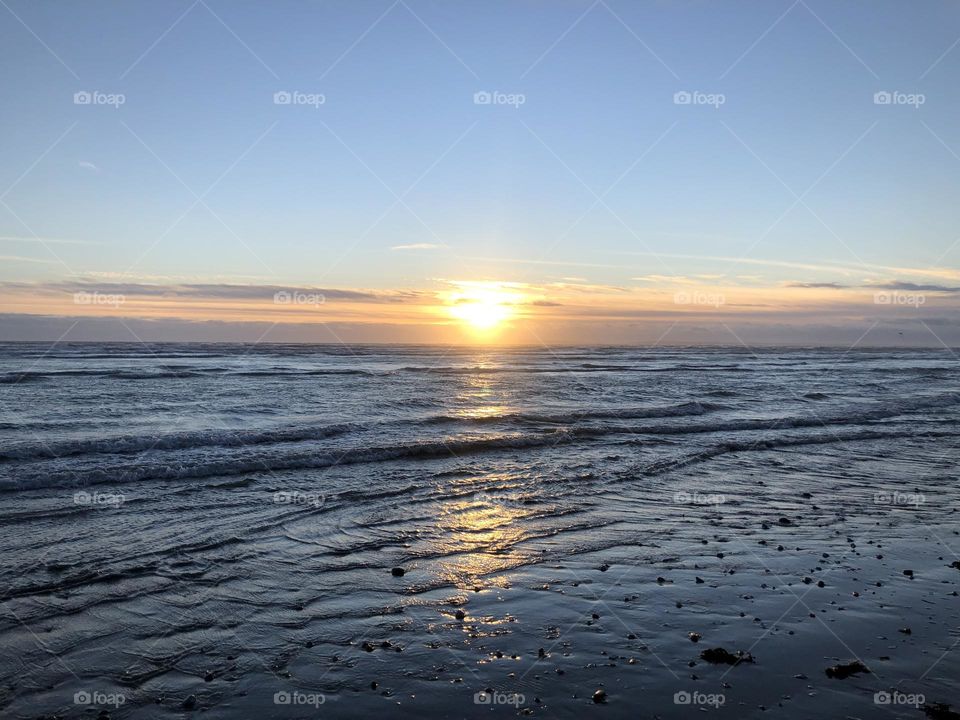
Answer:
(46, 240)
(419, 246)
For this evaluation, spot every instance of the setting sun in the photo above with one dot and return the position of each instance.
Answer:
(483, 306)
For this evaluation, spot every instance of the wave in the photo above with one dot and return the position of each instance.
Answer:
(122, 444)
(691, 408)
(251, 462)
(126, 444)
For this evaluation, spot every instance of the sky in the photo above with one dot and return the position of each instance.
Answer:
(529, 171)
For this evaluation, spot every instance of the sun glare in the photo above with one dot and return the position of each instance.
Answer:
(483, 308)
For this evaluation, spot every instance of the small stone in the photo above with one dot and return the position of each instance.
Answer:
(398, 572)
(600, 696)
(699, 581)
(694, 636)
(190, 703)
(460, 615)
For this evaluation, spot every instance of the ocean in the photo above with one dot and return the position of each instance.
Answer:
(213, 527)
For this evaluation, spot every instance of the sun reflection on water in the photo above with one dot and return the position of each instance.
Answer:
(478, 536)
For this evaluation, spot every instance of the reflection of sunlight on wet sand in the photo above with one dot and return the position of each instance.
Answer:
(478, 534)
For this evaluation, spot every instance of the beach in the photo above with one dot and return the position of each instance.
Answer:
(296, 531)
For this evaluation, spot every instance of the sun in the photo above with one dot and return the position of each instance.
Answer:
(482, 307)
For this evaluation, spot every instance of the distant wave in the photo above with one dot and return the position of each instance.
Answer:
(559, 368)
(163, 373)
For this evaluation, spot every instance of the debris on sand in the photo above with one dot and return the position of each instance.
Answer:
(939, 711)
(841, 671)
(720, 656)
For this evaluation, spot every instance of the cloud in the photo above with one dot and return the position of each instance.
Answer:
(46, 241)
(419, 246)
(20, 258)
(215, 291)
(909, 286)
(817, 285)
(87, 165)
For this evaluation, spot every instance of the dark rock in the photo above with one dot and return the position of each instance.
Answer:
(699, 581)
(719, 656)
(845, 670)
(600, 696)
(398, 572)
(694, 636)
(190, 703)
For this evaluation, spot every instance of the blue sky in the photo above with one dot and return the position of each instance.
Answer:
(598, 175)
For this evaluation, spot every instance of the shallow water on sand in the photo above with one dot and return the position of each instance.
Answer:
(220, 522)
